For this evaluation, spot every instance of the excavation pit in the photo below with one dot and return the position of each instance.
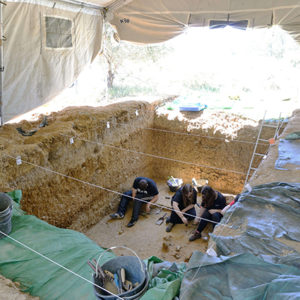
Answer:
(74, 169)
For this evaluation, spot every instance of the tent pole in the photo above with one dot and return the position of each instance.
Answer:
(1, 63)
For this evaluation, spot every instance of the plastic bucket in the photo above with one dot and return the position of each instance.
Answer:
(5, 214)
(134, 273)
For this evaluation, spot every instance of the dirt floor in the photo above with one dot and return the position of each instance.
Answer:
(146, 238)
(10, 291)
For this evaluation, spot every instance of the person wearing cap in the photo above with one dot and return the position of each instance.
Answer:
(183, 204)
(144, 190)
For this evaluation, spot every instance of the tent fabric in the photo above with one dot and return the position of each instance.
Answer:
(35, 72)
(243, 276)
(144, 21)
(265, 222)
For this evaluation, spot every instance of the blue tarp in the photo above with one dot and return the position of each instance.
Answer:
(241, 277)
(259, 256)
(289, 153)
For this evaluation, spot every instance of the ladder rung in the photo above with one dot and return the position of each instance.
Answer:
(263, 140)
(272, 126)
(259, 154)
(253, 168)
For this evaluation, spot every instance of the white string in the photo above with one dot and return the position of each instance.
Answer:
(61, 266)
(156, 156)
(186, 133)
(112, 191)
(202, 136)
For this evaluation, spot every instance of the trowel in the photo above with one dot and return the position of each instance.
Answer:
(160, 220)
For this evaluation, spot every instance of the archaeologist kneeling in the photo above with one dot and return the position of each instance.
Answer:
(211, 207)
(143, 188)
(183, 204)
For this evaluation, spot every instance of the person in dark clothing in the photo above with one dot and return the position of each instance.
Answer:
(143, 188)
(183, 204)
(212, 204)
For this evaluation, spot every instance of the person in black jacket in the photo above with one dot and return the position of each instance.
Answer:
(183, 204)
(143, 188)
(211, 207)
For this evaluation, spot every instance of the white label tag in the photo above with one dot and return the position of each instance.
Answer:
(18, 160)
(107, 125)
(248, 187)
(136, 112)
(71, 140)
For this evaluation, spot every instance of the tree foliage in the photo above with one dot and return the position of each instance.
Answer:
(116, 53)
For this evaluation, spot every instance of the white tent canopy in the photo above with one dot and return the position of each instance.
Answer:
(48, 42)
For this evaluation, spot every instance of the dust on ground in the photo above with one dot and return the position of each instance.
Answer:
(148, 239)
(11, 291)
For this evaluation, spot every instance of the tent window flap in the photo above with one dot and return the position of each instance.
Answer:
(58, 32)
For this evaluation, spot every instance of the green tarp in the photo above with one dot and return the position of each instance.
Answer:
(40, 277)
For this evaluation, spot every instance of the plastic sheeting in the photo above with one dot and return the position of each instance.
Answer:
(38, 276)
(265, 222)
(71, 249)
(166, 279)
(264, 244)
(243, 276)
(289, 153)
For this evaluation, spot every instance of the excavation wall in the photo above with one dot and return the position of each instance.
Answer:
(71, 167)
(215, 146)
(94, 157)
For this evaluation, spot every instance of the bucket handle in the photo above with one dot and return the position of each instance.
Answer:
(114, 247)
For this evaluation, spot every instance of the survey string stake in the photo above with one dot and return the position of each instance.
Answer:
(18, 160)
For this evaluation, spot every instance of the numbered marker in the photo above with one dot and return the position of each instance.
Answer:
(71, 140)
(107, 125)
(18, 160)
(136, 112)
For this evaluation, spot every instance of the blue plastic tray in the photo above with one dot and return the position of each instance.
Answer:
(195, 107)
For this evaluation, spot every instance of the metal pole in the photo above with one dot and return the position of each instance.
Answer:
(1, 63)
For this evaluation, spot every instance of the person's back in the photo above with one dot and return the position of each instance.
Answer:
(144, 190)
